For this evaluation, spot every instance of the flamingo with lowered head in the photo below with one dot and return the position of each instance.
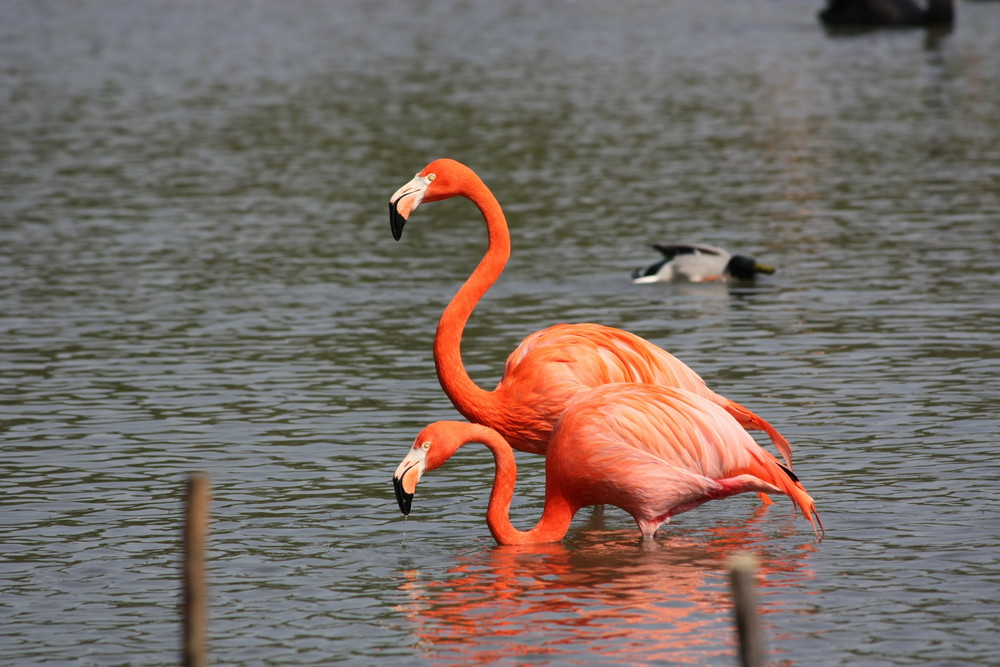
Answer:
(652, 451)
(549, 366)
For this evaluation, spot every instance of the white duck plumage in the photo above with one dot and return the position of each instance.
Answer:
(696, 263)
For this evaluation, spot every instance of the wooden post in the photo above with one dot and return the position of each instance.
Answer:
(195, 583)
(741, 578)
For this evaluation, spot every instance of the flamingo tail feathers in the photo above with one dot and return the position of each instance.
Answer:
(751, 420)
(771, 472)
(801, 497)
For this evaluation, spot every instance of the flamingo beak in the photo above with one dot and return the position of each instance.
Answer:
(404, 481)
(403, 499)
(405, 201)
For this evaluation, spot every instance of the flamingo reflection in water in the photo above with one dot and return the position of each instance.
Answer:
(601, 593)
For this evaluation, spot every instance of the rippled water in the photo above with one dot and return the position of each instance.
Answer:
(196, 273)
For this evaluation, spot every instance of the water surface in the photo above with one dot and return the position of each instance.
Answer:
(196, 273)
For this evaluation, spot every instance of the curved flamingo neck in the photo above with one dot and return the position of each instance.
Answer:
(469, 398)
(556, 516)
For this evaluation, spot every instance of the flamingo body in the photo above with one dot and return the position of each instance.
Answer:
(652, 451)
(550, 366)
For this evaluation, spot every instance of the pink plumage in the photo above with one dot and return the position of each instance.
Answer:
(551, 366)
(652, 451)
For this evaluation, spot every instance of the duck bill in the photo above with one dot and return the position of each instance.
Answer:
(763, 268)
(404, 202)
(404, 481)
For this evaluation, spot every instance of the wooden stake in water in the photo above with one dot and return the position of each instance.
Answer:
(741, 578)
(195, 583)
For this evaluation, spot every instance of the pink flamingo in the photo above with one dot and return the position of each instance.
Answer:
(652, 451)
(552, 365)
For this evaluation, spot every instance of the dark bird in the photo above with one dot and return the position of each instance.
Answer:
(887, 13)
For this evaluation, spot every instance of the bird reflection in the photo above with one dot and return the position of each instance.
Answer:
(602, 590)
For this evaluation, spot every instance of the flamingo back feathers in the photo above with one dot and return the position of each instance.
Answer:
(551, 366)
(596, 355)
(663, 450)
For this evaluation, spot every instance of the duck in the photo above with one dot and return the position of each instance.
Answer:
(698, 263)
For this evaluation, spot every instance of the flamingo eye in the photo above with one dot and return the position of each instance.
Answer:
(430, 177)
(425, 445)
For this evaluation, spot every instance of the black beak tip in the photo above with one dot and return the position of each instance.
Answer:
(396, 221)
(403, 499)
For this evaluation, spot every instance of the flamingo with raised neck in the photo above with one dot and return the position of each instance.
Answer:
(550, 366)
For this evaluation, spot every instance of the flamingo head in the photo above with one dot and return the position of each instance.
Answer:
(435, 445)
(408, 473)
(441, 179)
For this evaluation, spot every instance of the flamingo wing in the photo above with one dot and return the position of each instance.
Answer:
(658, 451)
(551, 366)
(592, 354)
